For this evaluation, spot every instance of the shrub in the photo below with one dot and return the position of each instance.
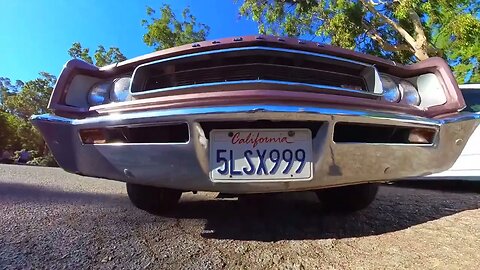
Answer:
(46, 161)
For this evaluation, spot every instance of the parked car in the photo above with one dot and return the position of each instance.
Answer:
(256, 114)
(467, 166)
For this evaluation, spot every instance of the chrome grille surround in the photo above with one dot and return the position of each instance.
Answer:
(259, 67)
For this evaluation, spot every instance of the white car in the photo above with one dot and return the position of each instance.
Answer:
(467, 166)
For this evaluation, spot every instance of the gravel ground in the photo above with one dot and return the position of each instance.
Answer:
(55, 220)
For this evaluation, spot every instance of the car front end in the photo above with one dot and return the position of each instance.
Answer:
(256, 114)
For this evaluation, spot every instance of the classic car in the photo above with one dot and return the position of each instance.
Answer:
(467, 166)
(256, 114)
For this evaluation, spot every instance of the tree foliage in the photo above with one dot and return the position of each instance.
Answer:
(33, 97)
(402, 30)
(8, 89)
(19, 102)
(102, 57)
(18, 133)
(78, 52)
(8, 126)
(167, 31)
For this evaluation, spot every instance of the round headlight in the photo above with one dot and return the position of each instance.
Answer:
(99, 94)
(409, 93)
(391, 92)
(120, 90)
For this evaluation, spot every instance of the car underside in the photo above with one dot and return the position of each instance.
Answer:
(256, 114)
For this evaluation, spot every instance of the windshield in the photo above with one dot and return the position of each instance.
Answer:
(472, 98)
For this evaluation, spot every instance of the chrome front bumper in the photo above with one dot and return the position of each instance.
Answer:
(185, 165)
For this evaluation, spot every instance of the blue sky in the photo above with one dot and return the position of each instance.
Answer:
(36, 34)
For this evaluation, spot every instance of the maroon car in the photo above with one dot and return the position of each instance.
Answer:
(256, 114)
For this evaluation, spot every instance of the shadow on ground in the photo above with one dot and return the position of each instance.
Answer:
(299, 216)
(292, 216)
(460, 186)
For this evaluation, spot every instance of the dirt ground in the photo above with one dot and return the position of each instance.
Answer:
(52, 219)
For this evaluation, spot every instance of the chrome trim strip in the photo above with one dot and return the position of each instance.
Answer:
(475, 86)
(253, 48)
(462, 116)
(243, 82)
(258, 108)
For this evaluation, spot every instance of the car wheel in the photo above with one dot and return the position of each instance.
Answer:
(154, 200)
(348, 198)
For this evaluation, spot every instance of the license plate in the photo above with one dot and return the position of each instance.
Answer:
(263, 154)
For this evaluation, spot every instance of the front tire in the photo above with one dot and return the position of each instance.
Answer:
(348, 198)
(154, 200)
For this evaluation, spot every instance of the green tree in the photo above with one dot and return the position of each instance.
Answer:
(166, 31)
(17, 133)
(78, 52)
(27, 136)
(102, 57)
(8, 124)
(19, 102)
(8, 89)
(32, 98)
(402, 30)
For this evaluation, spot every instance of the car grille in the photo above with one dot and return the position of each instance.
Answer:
(282, 68)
